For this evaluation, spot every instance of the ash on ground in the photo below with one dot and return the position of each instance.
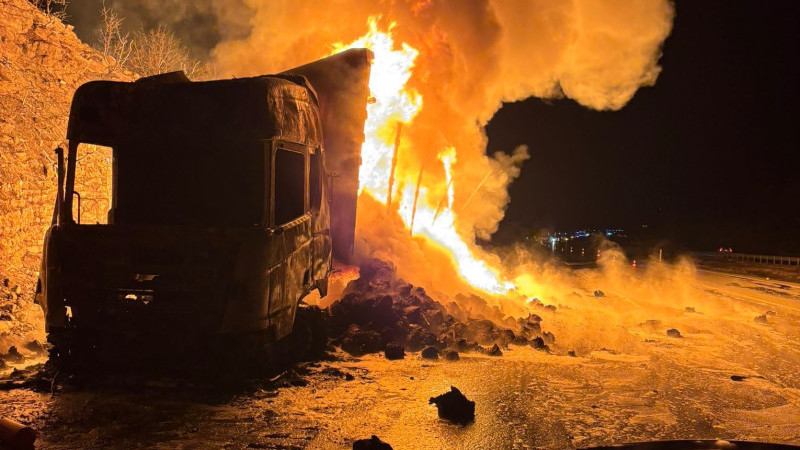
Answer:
(379, 309)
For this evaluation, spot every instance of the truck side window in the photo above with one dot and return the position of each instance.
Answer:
(289, 185)
(314, 181)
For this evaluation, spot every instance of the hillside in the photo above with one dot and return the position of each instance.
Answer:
(42, 62)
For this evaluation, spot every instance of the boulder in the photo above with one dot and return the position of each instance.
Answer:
(430, 353)
(394, 351)
(454, 406)
(673, 333)
(373, 443)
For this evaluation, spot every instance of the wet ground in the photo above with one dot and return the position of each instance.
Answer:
(728, 376)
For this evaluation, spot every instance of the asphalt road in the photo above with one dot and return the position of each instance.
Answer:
(629, 382)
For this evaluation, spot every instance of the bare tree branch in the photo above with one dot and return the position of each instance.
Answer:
(114, 46)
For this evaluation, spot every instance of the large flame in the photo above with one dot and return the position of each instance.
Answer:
(396, 104)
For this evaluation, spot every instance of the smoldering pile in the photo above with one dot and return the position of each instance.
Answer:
(379, 309)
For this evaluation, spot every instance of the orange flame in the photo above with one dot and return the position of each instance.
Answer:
(395, 103)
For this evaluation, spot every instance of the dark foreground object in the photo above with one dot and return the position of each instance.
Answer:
(454, 406)
(15, 435)
(373, 443)
(699, 445)
(394, 351)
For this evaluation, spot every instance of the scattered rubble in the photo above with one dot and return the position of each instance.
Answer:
(761, 319)
(394, 351)
(770, 313)
(689, 309)
(745, 377)
(373, 443)
(36, 347)
(674, 333)
(454, 406)
(451, 355)
(430, 353)
(288, 378)
(13, 355)
(495, 351)
(337, 373)
(358, 342)
(538, 344)
(379, 309)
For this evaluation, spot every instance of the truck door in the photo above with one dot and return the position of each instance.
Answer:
(320, 220)
(291, 233)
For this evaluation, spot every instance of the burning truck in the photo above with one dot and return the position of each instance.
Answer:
(229, 201)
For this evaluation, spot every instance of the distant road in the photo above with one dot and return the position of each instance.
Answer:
(759, 291)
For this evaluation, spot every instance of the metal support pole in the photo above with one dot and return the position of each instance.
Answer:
(394, 163)
(416, 197)
(478, 188)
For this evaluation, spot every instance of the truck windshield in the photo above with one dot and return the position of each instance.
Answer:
(208, 184)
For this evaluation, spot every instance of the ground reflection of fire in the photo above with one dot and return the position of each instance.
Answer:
(402, 189)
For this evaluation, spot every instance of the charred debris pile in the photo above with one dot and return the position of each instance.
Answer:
(381, 312)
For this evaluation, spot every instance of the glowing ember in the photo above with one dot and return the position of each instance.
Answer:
(395, 103)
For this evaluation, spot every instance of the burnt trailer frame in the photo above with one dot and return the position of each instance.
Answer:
(206, 270)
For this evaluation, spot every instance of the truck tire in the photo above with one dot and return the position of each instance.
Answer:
(309, 338)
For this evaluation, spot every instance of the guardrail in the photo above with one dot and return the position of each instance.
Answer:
(753, 258)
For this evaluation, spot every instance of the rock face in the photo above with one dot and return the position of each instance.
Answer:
(454, 406)
(379, 309)
(42, 62)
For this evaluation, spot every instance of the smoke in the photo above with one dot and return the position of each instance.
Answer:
(473, 56)
(199, 24)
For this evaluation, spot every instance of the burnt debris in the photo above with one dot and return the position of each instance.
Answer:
(451, 355)
(454, 406)
(13, 355)
(674, 333)
(379, 309)
(430, 353)
(394, 351)
(373, 443)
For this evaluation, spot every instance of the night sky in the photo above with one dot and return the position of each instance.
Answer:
(707, 157)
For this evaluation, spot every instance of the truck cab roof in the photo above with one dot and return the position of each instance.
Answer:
(170, 107)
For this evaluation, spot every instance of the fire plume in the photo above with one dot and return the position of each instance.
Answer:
(396, 105)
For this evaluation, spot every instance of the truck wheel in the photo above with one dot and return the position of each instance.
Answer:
(59, 345)
(309, 336)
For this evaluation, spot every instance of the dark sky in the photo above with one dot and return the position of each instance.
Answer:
(706, 157)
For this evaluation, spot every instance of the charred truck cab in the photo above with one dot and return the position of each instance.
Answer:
(220, 217)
